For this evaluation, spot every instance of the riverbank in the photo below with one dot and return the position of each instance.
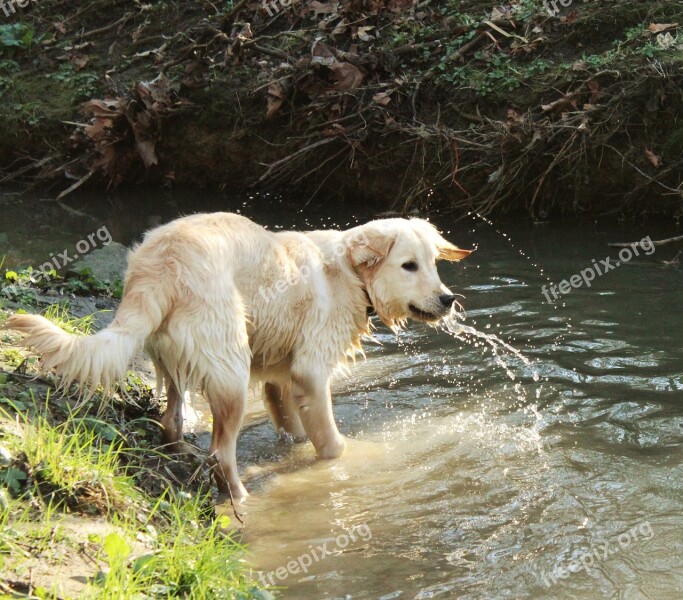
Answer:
(458, 106)
(88, 491)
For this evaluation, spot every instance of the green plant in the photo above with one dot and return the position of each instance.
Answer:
(59, 314)
(190, 558)
(84, 85)
(15, 36)
(12, 357)
(69, 464)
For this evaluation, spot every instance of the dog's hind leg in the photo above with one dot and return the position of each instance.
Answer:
(172, 421)
(283, 413)
(228, 403)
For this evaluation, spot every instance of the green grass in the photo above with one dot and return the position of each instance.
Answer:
(60, 316)
(187, 559)
(62, 471)
(68, 462)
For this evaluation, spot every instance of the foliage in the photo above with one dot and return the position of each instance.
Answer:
(22, 285)
(55, 459)
(15, 36)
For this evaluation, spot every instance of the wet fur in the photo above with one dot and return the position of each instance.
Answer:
(194, 300)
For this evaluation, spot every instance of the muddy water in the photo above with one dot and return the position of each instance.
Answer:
(461, 481)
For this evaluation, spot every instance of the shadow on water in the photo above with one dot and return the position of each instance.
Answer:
(466, 478)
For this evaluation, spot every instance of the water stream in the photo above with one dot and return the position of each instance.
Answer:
(544, 462)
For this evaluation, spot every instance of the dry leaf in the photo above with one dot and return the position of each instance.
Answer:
(79, 61)
(561, 105)
(322, 55)
(341, 27)
(594, 87)
(318, 8)
(382, 98)
(362, 33)
(659, 27)
(666, 40)
(347, 76)
(655, 160)
(276, 98)
(334, 130)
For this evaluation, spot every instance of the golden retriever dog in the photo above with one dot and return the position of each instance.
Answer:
(218, 301)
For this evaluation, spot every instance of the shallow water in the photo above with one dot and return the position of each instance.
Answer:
(460, 481)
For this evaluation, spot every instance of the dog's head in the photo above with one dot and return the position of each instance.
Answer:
(396, 259)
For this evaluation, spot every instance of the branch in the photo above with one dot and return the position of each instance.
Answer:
(672, 240)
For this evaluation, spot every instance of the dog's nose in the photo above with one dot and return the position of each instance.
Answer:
(447, 300)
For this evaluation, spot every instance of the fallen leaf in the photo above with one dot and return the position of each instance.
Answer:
(362, 33)
(341, 27)
(514, 116)
(276, 98)
(594, 87)
(666, 40)
(334, 130)
(322, 55)
(318, 8)
(79, 61)
(105, 108)
(659, 27)
(146, 151)
(561, 105)
(655, 160)
(347, 76)
(246, 33)
(382, 98)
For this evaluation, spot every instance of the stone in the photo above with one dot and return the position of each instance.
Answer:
(107, 263)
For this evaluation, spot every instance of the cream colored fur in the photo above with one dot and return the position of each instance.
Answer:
(217, 300)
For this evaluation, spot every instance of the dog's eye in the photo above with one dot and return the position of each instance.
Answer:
(410, 266)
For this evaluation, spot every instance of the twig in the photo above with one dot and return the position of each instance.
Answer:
(664, 242)
(33, 165)
(232, 12)
(453, 57)
(76, 185)
(106, 28)
(269, 51)
(292, 156)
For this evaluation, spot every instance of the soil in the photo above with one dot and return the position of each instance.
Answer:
(458, 105)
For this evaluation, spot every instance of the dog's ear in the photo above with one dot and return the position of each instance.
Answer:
(448, 251)
(370, 245)
(444, 249)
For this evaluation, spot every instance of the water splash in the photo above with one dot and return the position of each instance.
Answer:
(458, 329)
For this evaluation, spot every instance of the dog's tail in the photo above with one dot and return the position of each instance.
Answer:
(102, 358)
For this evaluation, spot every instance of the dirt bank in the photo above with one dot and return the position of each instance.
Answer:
(461, 105)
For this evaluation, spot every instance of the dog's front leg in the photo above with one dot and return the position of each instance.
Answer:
(312, 397)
